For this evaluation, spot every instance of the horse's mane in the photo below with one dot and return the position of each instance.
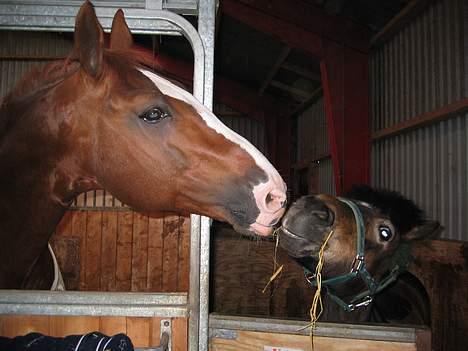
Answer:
(403, 213)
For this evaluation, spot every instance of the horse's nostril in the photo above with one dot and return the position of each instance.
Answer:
(275, 200)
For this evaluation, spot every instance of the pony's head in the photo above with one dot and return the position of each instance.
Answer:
(115, 124)
(389, 220)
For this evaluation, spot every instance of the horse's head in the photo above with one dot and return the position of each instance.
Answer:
(388, 221)
(149, 142)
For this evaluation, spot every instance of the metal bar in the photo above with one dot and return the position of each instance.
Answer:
(206, 29)
(182, 7)
(93, 303)
(194, 284)
(351, 331)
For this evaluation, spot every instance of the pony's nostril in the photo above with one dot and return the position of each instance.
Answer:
(322, 215)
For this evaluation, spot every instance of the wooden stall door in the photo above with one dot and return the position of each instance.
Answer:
(122, 250)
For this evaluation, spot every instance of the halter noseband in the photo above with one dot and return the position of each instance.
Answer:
(358, 269)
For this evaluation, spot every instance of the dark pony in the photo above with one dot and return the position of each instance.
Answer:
(391, 224)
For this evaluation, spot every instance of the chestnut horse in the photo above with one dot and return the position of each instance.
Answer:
(368, 249)
(101, 120)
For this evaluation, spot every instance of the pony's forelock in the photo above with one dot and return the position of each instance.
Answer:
(403, 213)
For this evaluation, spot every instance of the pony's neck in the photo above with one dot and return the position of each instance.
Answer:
(34, 191)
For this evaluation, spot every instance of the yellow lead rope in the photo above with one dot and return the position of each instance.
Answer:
(317, 305)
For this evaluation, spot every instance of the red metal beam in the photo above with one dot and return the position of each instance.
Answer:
(288, 33)
(312, 18)
(346, 97)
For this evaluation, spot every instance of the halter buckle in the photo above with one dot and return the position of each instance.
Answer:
(364, 303)
(310, 277)
(357, 264)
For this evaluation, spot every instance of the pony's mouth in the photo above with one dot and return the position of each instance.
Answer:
(290, 233)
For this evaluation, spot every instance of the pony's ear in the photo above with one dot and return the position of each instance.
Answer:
(427, 230)
(120, 36)
(89, 40)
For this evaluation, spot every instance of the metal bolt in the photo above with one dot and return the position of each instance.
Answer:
(166, 323)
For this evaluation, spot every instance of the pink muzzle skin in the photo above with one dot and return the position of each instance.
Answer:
(271, 201)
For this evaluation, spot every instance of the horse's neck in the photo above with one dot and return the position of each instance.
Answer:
(29, 211)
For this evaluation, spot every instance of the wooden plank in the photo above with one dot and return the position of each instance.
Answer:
(108, 250)
(184, 254)
(79, 230)
(139, 252)
(123, 272)
(170, 252)
(138, 330)
(113, 325)
(179, 334)
(255, 341)
(67, 251)
(72, 325)
(93, 252)
(438, 115)
(14, 325)
(155, 254)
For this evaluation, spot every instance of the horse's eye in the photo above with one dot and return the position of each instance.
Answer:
(153, 115)
(385, 233)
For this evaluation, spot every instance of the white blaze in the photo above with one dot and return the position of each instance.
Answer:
(172, 90)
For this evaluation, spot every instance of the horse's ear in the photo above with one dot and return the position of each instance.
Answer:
(120, 37)
(427, 230)
(89, 40)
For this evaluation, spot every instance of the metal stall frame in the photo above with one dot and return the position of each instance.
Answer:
(144, 17)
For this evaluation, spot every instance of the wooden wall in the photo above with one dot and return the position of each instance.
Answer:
(121, 250)
(240, 269)
(143, 331)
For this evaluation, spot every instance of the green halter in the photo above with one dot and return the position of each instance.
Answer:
(358, 269)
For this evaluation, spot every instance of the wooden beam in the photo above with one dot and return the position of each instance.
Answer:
(409, 12)
(303, 106)
(314, 19)
(424, 119)
(279, 61)
(295, 91)
(304, 72)
(286, 32)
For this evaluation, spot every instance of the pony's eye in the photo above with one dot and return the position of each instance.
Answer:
(153, 115)
(385, 233)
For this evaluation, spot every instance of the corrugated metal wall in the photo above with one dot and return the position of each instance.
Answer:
(249, 128)
(312, 141)
(423, 68)
(313, 148)
(20, 51)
